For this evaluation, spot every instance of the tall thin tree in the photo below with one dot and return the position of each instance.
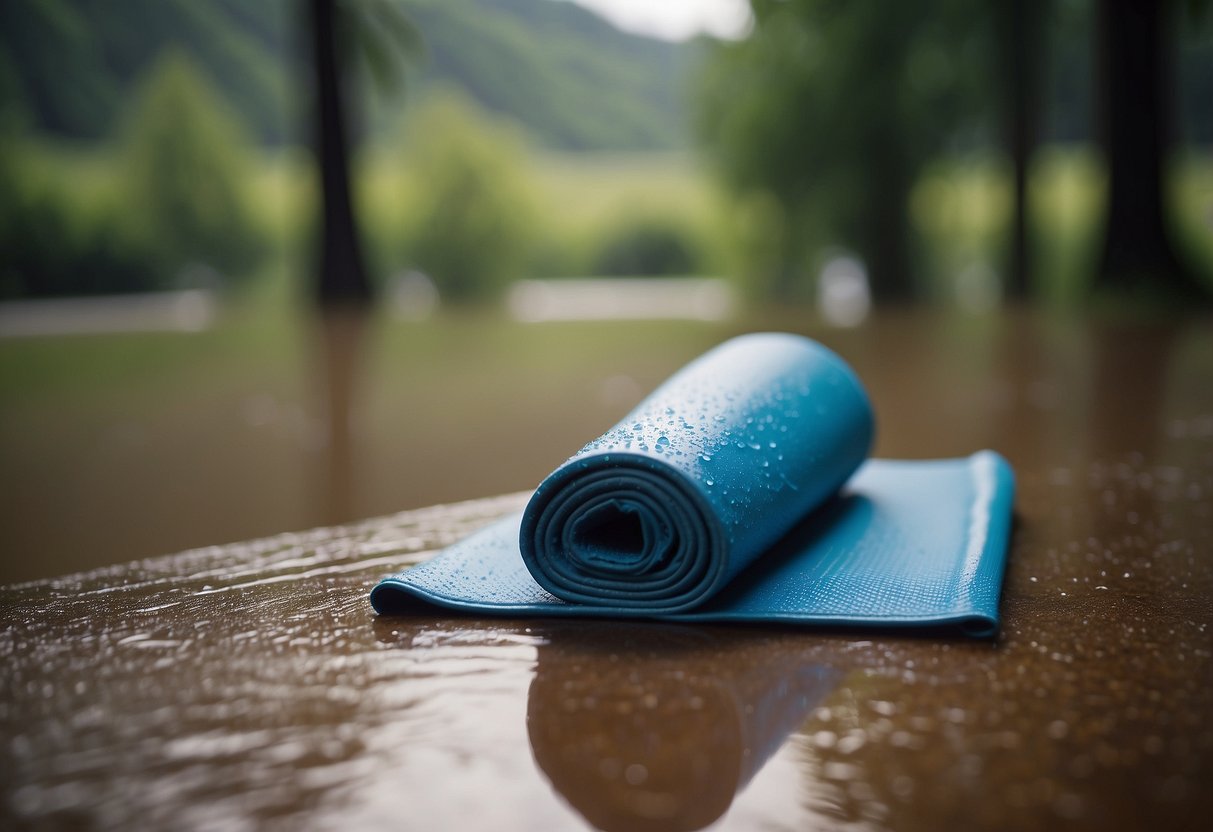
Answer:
(379, 33)
(1136, 54)
(1021, 50)
(341, 276)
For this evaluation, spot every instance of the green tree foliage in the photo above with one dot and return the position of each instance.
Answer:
(569, 76)
(472, 228)
(54, 243)
(74, 64)
(186, 161)
(831, 108)
(179, 197)
(573, 79)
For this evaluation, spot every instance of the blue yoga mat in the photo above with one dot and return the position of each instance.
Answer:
(740, 490)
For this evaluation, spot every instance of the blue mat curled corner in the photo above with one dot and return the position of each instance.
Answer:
(739, 491)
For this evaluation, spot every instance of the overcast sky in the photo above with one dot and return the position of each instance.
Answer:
(675, 19)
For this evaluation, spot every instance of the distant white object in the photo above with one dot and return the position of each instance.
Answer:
(189, 310)
(843, 294)
(624, 298)
(412, 295)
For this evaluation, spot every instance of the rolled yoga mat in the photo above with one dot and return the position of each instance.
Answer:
(739, 491)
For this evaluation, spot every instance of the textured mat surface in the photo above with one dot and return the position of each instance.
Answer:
(722, 497)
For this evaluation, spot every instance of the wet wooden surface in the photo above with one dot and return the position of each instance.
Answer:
(251, 686)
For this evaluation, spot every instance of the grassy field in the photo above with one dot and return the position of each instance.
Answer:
(960, 209)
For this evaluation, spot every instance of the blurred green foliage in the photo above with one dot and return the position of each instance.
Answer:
(169, 192)
(473, 225)
(959, 210)
(186, 159)
(577, 214)
(767, 256)
(832, 119)
(573, 80)
(832, 108)
(55, 240)
(591, 201)
(649, 244)
(73, 67)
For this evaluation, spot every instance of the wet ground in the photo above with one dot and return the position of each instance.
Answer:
(251, 686)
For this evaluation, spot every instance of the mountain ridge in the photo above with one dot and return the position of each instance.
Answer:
(572, 79)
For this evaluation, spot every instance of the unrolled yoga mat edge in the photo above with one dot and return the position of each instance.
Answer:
(905, 544)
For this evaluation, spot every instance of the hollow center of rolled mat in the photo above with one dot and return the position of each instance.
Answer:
(619, 537)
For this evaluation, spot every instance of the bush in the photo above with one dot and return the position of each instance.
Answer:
(54, 243)
(649, 246)
(186, 164)
(471, 228)
(178, 198)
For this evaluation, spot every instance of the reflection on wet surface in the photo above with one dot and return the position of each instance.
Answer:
(251, 686)
(657, 727)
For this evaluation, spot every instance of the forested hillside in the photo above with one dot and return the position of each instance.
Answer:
(571, 78)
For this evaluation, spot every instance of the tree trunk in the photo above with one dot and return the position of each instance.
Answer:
(884, 233)
(342, 276)
(1022, 45)
(1136, 56)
